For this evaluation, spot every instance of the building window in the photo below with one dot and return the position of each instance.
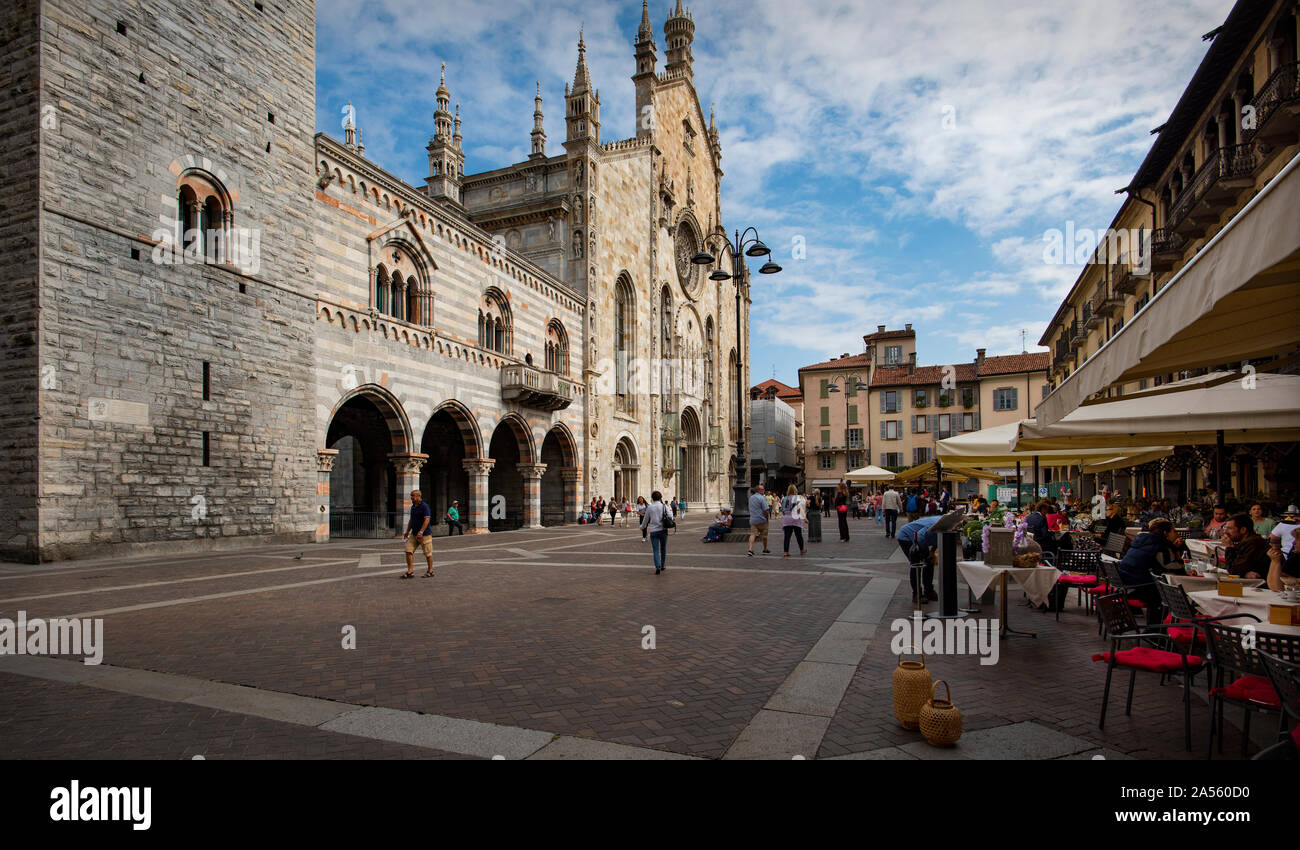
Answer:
(1046, 390)
(920, 398)
(625, 342)
(826, 439)
(893, 355)
(945, 398)
(968, 422)
(854, 438)
(944, 430)
(855, 460)
(853, 414)
(891, 430)
(891, 460)
(920, 456)
(967, 397)
(851, 386)
(204, 217)
(826, 461)
(889, 401)
(826, 416)
(920, 425)
(495, 325)
(826, 388)
(1005, 399)
(557, 348)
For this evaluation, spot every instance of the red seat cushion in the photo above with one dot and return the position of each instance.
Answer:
(1186, 634)
(1135, 603)
(1151, 660)
(1100, 590)
(1254, 689)
(1295, 736)
(1079, 581)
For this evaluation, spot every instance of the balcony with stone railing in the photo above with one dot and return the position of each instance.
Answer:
(535, 388)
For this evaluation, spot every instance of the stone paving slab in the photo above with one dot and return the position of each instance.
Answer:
(567, 747)
(843, 643)
(443, 733)
(813, 688)
(779, 735)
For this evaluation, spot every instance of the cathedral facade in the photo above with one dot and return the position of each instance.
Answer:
(227, 328)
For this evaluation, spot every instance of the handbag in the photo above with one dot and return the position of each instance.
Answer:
(668, 521)
(842, 508)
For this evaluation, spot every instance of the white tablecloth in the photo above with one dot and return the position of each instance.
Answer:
(1037, 582)
(1254, 602)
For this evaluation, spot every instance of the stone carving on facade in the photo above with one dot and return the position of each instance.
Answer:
(577, 244)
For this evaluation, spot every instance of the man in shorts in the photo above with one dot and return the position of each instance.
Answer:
(417, 534)
(758, 516)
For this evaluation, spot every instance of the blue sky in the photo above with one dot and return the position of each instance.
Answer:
(832, 120)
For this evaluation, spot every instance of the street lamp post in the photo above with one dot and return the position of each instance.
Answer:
(753, 247)
(861, 387)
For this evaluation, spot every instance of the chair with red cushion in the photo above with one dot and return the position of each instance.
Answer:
(1285, 677)
(1081, 569)
(1163, 656)
(1115, 581)
(1232, 650)
(1183, 615)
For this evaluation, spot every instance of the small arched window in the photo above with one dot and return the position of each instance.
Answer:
(495, 321)
(402, 286)
(204, 217)
(557, 348)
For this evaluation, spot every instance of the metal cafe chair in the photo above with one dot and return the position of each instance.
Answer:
(1285, 677)
(1231, 652)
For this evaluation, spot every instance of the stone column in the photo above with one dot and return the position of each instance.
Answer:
(476, 516)
(408, 478)
(572, 477)
(532, 475)
(324, 465)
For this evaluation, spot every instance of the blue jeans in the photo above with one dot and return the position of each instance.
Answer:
(659, 544)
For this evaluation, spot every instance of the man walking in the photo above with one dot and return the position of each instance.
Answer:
(453, 519)
(758, 516)
(891, 503)
(418, 526)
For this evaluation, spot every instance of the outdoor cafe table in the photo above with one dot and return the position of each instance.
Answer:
(1253, 602)
(1036, 581)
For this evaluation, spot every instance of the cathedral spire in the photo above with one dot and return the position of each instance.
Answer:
(539, 132)
(581, 77)
(646, 31)
(679, 32)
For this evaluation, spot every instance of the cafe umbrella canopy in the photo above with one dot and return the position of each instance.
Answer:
(868, 474)
(1255, 408)
(994, 447)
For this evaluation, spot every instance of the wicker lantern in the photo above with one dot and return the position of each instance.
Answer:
(911, 689)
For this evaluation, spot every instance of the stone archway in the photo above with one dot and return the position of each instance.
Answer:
(513, 477)
(368, 464)
(691, 480)
(450, 438)
(625, 471)
(558, 491)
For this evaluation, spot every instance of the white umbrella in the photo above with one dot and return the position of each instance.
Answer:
(869, 473)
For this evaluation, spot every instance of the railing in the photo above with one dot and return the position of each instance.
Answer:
(368, 524)
(1165, 241)
(1225, 164)
(536, 388)
(1281, 88)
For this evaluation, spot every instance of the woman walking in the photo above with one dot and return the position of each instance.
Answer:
(653, 522)
(814, 516)
(842, 509)
(641, 506)
(794, 510)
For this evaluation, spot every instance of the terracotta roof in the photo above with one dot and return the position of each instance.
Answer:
(890, 335)
(896, 376)
(783, 391)
(1036, 362)
(851, 362)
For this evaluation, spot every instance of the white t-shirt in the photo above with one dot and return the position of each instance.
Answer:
(1283, 531)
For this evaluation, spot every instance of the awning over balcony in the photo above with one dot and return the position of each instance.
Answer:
(1238, 299)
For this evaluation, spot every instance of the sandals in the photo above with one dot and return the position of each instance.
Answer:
(408, 575)
(429, 574)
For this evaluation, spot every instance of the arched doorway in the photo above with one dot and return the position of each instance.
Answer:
(511, 445)
(691, 480)
(366, 430)
(558, 453)
(449, 438)
(625, 471)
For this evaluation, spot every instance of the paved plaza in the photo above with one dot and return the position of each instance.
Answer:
(532, 644)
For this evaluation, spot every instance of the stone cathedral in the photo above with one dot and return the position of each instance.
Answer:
(226, 328)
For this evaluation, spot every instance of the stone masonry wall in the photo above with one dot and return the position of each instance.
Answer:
(228, 89)
(20, 115)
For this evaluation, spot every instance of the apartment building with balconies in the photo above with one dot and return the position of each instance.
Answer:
(1236, 125)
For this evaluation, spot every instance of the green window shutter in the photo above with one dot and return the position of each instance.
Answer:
(826, 388)
(826, 438)
(826, 416)
(853, 414)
